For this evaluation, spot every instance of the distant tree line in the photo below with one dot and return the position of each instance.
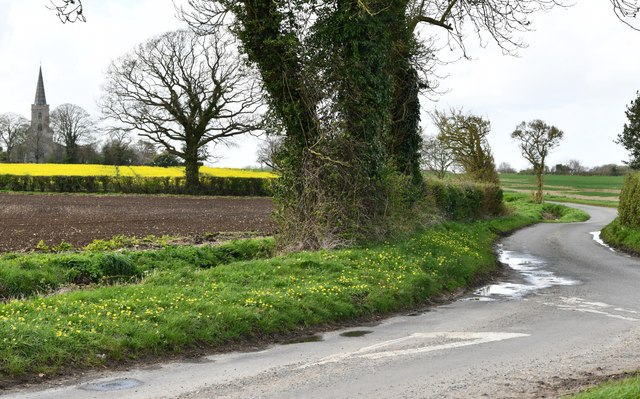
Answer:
(77, 139)
(572, 167)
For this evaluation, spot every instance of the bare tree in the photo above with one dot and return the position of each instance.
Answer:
(576, 167)
(465, 135)
(536, 139)
(505, 167)
(13, 132)
(436, 157)
(72, 126)
(183, 92)
(268, 149)
(118, 149)
(145, 152)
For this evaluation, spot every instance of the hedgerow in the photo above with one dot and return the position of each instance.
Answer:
(209, 185)
(465, 200)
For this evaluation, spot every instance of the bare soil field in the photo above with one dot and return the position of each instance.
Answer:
(25, 219)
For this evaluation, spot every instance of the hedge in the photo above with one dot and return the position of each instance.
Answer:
(463, 201)
(456, 201)
(209, 185)
(629, 207)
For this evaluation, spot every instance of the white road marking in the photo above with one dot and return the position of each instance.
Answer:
(585, 306)
(416, 341)
(596, 238)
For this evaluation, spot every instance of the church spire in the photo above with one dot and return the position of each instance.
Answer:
(41, 99)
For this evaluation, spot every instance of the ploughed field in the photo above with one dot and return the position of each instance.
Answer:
(81, 219)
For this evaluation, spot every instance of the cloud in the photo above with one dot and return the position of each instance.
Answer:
(578, 73)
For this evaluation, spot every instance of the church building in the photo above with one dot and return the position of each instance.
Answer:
(40, 136)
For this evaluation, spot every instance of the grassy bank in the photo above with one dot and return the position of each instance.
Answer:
(628, 388)
(185, 298)
(624, 238)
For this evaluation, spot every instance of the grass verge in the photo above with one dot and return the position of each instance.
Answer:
(559, 198)
(182, 300)
(628, 388)
(623, 238)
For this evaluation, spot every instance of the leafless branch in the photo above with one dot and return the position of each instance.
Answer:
(68, 10)
(626, 9)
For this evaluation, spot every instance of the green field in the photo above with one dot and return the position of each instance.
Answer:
(597, 190)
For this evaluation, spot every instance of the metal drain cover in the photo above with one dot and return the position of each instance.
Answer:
(113, 385)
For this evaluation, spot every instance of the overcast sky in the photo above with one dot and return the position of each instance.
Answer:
(581, 69)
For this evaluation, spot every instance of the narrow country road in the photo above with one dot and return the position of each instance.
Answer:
(567, 309)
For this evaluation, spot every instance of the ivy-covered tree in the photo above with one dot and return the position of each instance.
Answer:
(536, 139)
(630, 136)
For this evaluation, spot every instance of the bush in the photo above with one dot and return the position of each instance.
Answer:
(629, 208)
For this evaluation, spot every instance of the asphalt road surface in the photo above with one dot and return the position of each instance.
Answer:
(568, 310)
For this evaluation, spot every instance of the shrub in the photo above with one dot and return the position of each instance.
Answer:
(629, 208)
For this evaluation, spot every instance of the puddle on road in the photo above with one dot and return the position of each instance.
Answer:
(198, 360)
(302, 340)
(113, 385)
(527, 268)
(596, 238)
(357, 333)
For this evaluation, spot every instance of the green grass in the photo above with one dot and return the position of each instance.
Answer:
(594, 202)
(602, 190)
(621, 237)
(569, 182)
(554, 212)
(23, 275)
(628, 388)
(184, 298)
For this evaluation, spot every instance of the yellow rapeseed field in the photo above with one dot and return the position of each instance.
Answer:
(22, 169)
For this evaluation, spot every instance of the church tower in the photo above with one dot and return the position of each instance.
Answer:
(40, 133)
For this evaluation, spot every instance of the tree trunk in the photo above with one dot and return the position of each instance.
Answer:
(72, 153)
(538, 196)
(192, 171)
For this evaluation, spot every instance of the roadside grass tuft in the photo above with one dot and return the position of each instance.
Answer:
(628, 388)
(206, 298)
(621, 237)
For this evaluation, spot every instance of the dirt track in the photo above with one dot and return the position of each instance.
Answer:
(25, 219)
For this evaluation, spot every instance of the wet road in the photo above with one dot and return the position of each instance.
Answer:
(568, 309)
